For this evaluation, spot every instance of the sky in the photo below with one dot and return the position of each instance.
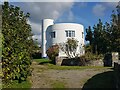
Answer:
(85, 13)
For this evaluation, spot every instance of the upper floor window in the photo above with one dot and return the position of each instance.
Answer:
(53, 34)
(70, 33)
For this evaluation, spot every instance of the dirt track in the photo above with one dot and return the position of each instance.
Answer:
(44, 78)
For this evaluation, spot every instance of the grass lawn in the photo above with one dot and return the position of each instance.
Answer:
(58, 84)
(49, 65)
(15, 84)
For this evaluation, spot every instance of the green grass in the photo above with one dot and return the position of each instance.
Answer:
(42, 60)
(49, 65)
(15, 84)
(58, 84)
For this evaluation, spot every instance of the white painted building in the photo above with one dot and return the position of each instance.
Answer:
(59, 33)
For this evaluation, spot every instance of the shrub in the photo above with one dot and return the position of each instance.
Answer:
(17, 44)
(52, 52)
(70, 47)
(91, 56)
(88, 57)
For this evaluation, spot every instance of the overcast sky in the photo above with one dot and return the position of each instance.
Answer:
(86, 13)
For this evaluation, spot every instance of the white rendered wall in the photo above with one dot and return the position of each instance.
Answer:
(45, 24)
(61, 36)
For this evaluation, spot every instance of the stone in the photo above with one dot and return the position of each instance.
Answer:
(58, 61)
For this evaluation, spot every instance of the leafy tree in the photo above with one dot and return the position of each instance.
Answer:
(17, 43)
(52, 52)
(69, 47)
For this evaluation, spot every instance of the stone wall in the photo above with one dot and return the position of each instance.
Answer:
(97, 63)
(58, 61)
(77, 62)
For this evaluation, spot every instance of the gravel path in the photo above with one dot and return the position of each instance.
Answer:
(43, 78)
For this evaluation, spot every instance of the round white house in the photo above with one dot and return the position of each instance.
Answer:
(58, 33)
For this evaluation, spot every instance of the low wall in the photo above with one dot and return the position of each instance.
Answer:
(97, 63)
(78, 62)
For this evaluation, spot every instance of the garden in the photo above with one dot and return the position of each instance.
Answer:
(21, 70)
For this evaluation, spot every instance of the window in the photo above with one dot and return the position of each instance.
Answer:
(52, 34)
(70, 33)
(82, 34)
(73, 33)
(66, 33)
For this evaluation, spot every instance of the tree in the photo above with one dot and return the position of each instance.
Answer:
(52, 52)
(98, 33)
(69, 47)
(17, 43)
(89, 37)
(115, 29)
(100, 38)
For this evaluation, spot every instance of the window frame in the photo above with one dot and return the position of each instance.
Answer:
(70, 33)
(53, 34)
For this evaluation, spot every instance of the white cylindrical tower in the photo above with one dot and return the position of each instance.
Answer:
(45, 24)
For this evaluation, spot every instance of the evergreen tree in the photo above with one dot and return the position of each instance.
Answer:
(89, 37)
(115, 29)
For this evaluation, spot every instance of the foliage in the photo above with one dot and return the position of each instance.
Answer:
(69, 47)
(91, 56)
(36, 51)
(17, 43)
(52, 52)
(115, 29)
(14, 84)
(105, 38)
(88, 58)
(89, 35)
(58, 84)
(88, 48)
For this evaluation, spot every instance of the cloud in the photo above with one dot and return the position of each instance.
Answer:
(43, 10)
(67, 17)
(70, 17)
(111, 4)
(37, 38)
(36, 28)
(82, 4)
(99, 10)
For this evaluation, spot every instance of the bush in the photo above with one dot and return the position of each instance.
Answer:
(17, 44)
(52, 52)
(91, 56)
(88, 57)
(70, 47)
